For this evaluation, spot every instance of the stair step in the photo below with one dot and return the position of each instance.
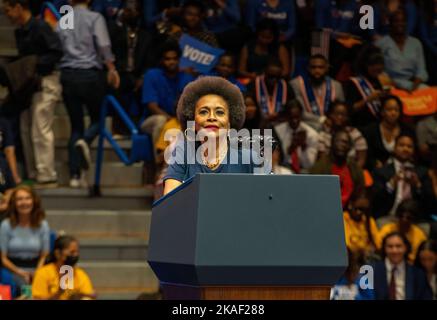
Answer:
(113, 249)
(101, 223)
(111, 199)
(61, 150)
(113, 174)
(62, 127)
(120, 274)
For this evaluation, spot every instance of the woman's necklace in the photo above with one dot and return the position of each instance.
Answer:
(218, 159)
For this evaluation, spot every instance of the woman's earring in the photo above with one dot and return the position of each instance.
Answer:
(190, 136)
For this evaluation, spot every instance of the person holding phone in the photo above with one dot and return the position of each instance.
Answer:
(299, 141)
(400, 179)
(367, 87)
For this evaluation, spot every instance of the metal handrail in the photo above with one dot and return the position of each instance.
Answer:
(52, 8)
(108, 103)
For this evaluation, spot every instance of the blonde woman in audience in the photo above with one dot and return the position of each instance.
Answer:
(24, 236)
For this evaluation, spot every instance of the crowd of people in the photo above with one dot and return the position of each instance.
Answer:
(326, 87)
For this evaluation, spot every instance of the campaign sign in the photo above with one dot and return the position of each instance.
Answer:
(198, 54)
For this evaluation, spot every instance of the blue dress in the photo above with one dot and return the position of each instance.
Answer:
(238, 160)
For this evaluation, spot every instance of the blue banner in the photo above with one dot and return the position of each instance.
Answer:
(198, 54)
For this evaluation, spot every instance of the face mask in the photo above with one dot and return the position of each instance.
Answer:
(71, 260)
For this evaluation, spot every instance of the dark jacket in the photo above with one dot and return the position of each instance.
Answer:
(416, 283)
(22, 81)
(119, 41)
(376, 150)
(383, 199)
(38, 38)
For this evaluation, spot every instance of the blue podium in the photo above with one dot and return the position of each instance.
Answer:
(243, 236)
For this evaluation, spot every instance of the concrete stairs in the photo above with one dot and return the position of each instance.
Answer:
(113, 229)
(113, 238)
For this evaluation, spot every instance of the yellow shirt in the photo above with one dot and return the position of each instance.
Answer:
(161, 144)
(415, 236)
(356, 236)
(47, 282)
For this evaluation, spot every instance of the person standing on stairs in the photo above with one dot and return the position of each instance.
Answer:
(83, 82)
(35, 37)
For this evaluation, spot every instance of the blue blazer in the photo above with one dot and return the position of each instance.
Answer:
(417, 286)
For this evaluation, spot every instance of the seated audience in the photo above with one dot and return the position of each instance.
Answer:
(361, 231)
(426, 259)
(278, 160)
(193, 14)
(403, 55)
(108, 8)
(428, 34)
(317, 91)
(159, 15)
(271, 91)
(342, 18)
(161, 88)
(338, 15)
(48, 283)
(381, 135)
(406, 213)
(426, 131)
(24, 236)
(338, 120)
(283, 12)
(299, 141)
(400, 179)
(394, 277)
(226, 68)
(431, 205)
(337, 163)
(384, 9)
(254, 117)
(349, 286)
(365, 90)
(223, 19)
(256, 54)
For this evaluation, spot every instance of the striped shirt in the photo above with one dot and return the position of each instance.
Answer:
(358, 141)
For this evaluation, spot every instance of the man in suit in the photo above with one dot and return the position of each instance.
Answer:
(394, 278)
(400, 179)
